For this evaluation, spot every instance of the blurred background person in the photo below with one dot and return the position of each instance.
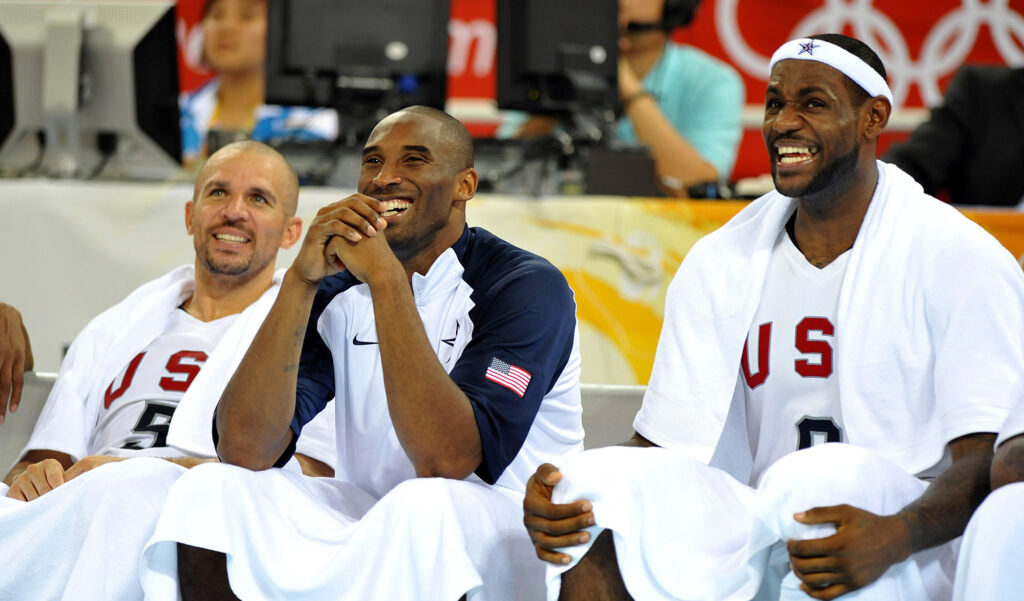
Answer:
(682, 103)
(230, 106)
(971, 150)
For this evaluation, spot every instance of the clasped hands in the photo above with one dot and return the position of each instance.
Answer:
(344, 235)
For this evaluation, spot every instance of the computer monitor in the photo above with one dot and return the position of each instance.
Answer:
(364, 59)
(557, 57)
(89, 88)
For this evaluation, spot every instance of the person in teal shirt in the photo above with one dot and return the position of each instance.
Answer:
(682, 103)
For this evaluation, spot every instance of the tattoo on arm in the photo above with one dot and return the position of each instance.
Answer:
(942, 512)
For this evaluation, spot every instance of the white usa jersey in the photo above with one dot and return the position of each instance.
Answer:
(139, 403)
(788, 362)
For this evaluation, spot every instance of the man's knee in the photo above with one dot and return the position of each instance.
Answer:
(834, 471)
(426, 497)
(829, 475)
(139, 484)
(1000, 513)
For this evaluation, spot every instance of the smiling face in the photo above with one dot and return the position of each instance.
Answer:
(235, 35)
(242, 211)
(811, 128)
(410, 164)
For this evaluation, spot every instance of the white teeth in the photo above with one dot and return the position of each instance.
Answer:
(397, 203)
(393, 207)
(229, 238)
(789, 155)
(795, 150)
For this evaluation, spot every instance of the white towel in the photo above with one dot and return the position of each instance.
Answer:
(108, 343)
(910, 323)
(192, 426)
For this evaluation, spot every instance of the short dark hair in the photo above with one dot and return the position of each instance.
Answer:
(453, 131)
(861, 51)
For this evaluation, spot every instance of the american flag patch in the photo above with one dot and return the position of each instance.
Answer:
(509, 376)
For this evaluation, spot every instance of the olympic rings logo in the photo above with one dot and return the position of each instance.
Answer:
(945, 47)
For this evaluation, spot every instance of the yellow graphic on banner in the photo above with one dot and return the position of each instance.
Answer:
(619, 258)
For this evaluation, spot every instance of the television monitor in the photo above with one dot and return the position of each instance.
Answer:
(557, 57)
(364, 59)
(89, 88)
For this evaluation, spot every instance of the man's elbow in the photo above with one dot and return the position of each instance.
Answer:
(1008, 464)
(246, 456)
(454, 468)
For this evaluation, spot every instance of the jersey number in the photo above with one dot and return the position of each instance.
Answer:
(821, 368)
(155, 421)
(817, 430)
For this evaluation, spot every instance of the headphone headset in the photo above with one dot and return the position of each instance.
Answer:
(678, 13)
(674, 13)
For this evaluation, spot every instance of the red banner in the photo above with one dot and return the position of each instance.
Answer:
(920, 48)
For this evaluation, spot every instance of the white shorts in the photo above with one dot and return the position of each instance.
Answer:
(293, 537)
(83, 539)
(991, 565)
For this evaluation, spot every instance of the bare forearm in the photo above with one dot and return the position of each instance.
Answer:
(942, 512)
(673, 154)
(433, 419)
(257, 405)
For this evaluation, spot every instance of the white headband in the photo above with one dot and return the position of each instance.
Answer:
(861, 73)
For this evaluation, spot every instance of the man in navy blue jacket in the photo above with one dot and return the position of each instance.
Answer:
(453, 359)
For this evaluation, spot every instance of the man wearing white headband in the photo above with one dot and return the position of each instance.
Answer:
(827, 311)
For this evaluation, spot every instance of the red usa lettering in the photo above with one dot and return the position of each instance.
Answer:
(183, 363)
(112, 395)
(803, 342)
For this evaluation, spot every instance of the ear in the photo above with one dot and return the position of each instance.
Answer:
(876, 113)
(190, 208)
(292, 232)
(465, 184)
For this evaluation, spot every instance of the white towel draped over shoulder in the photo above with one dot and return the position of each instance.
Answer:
(108, 343)
(192, 426)
(928, 336)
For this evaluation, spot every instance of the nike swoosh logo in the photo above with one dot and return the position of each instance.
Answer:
(356, 341)
(451, 341)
